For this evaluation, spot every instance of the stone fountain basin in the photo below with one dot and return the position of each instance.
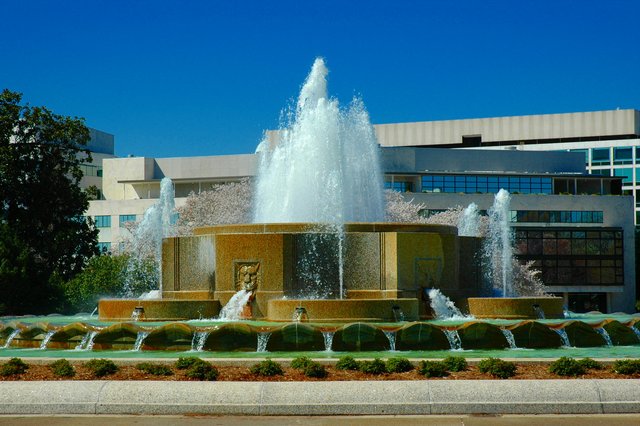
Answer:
(341, 310)
(158, 309)
(515, 307)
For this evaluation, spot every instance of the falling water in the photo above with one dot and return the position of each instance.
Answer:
(605, 336)
(398, 315)
(156, 224)
(86, 344)
(328, 340)
(454, 339)
(537, 309)
(498, 247)
(47, 337)
(12, 336)
(563, 335)
(263, 339)
(636, 331)
(510, 339)
(469, 221)
(198, 341)
(137, 346)
(443, 307)
(391, 337)
(232, 311)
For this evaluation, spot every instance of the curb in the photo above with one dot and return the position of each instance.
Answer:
(322, 398)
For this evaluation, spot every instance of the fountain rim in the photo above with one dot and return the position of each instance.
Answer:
(311, 227)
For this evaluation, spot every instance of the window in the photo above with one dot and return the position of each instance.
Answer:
(399, 186)
(471, 184)
(104, 247)
(103, 221)
(556, 216)
(622, 155)
(124, 218)
(626, 174)
(600, 157)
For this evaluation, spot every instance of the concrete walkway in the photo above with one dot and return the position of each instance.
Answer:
(321, 398)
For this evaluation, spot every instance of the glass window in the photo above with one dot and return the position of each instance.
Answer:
(103, 221)
(626, 174)
(104, 247)
(600, 156)
(622, 155)
(124, 218)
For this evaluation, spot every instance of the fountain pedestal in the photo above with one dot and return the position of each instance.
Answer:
(516, 307)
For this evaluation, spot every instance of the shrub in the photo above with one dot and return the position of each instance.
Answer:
(202, 370)
(13, 367)
(497, 367)
(185, 362)
(627, 366)
(399, 365)
(301, 362)
(456, 363)
(267, 368)
(590, 364)
(433, 369)
(154, 369)
(373, 367)
(62, 368)
(565, 366)
(347, 363)
(101, 367)
(315, 369)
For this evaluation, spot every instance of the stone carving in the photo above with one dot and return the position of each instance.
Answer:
(247, 275)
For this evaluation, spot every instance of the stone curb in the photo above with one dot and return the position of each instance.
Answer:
(322, 398)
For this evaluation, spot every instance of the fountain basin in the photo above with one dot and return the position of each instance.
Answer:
(157, 309)
(341, 310)
(515, 307)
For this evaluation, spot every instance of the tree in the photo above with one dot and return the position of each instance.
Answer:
(41, 204)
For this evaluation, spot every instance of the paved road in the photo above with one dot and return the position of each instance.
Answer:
(506, 420)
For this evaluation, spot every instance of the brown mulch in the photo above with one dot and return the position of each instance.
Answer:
(228, 373)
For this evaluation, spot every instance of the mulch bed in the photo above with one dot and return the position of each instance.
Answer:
(228, 373)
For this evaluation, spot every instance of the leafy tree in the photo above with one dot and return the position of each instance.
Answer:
(41, 204)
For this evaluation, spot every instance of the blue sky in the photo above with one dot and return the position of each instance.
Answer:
(184, 78)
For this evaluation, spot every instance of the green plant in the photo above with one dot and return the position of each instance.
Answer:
(301, 362)
(62, 368)
(590, 364)
(399, 365)
(347, 363)
(627, 366)
(154, 369)
(185, 362)
(202, 370)
(267, 368)
(376, 366)
(13, 367)
(497, 367)
(433, 369)
(315, 369)
(565, 366)
(101, 367)
(456, 363)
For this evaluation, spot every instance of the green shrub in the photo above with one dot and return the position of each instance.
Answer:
(565, 366)
(62, 368)
(185, 362)
(433, 369)
(154, 369)
(347, 363)
(101, 367)
(373, 367)
(399, 365)
(315, 369)
(13, 367)
(627, 366)
(301, 362)
(267, 368)
(590, 364)
(456, 363)
(497, 368)
(202, 370)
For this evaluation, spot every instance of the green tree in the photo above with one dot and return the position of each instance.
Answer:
(41, 205)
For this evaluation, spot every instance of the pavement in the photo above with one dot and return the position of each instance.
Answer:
(374, 398)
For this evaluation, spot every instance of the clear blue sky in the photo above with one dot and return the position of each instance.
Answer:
(184, 78)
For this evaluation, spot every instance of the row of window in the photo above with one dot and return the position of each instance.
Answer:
(556, 216)
(105, 221)
(486, 184)
(91, 170)
(603, 156)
